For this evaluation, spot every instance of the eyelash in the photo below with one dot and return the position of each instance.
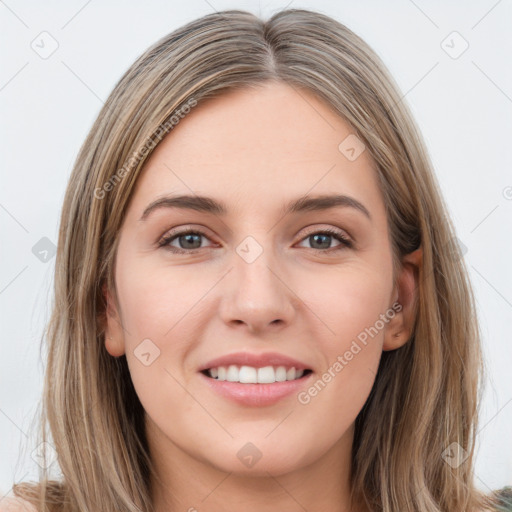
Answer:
(166, 240)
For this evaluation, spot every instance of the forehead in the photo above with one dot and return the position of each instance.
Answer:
(258, 147)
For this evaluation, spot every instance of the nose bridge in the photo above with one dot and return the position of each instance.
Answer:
(256, 293)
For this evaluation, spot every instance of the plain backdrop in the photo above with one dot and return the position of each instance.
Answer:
(60, 61)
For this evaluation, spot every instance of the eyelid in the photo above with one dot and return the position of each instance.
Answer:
(331, 229)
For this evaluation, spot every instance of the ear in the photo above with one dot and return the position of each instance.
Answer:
(400, 327)
(114, 334)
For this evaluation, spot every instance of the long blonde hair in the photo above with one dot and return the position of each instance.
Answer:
(426, 394)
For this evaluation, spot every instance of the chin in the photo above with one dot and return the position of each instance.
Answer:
(261, 458)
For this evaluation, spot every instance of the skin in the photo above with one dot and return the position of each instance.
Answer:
(255, 150)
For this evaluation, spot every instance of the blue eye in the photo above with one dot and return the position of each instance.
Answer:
(190, 241)
(324, 235)
(187, 241)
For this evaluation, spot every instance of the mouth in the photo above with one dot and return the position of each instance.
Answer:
(253, 375)
(256, 386)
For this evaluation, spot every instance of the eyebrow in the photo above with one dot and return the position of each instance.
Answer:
(210, 205)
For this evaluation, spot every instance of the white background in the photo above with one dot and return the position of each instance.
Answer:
(462, 105)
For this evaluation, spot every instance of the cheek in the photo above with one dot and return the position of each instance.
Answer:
(155, 301)
(162, 314)
(348, 301)
(159, 320)
(353, 312)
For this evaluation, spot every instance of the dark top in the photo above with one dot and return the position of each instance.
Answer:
(504, 496)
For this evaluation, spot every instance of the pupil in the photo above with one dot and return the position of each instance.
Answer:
(326, 237)
(188, 238)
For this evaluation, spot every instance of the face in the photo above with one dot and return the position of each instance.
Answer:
(312, 283)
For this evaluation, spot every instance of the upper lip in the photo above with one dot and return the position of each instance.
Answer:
(255, 360)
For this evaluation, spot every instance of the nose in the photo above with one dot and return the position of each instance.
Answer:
(257, 295)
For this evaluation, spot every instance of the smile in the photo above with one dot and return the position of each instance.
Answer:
(255, 394)
(252, 375)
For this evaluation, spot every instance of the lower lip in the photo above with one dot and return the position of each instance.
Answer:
(256, 394)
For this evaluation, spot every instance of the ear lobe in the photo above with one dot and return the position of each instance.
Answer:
(114, 336)
(400, 328)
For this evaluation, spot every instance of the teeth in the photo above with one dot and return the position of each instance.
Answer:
(251, 375)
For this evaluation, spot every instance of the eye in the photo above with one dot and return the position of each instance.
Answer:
(189, 241)
(324, 238)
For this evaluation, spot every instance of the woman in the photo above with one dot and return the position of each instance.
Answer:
(204, 352)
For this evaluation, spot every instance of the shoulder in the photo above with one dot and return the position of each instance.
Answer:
(11, 504)
(504, 499)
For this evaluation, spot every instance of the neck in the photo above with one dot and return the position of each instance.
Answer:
(185, 483)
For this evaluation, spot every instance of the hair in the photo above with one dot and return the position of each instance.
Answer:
(430, 387)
